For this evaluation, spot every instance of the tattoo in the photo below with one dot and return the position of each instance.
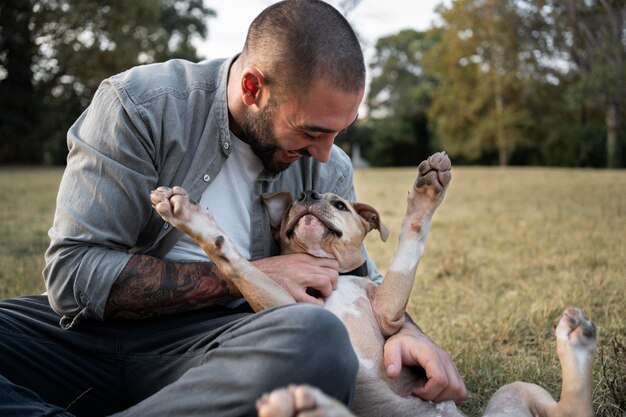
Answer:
(149, 287)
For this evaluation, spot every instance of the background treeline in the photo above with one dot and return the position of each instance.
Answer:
(528, 82)
(55, 53)
(524, 82)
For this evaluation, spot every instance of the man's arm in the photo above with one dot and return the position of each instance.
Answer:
(411, 347)
(149, 287)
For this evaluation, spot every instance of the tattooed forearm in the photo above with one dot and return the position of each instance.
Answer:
(149, 287)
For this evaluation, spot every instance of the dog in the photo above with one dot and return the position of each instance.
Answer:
(326, 225)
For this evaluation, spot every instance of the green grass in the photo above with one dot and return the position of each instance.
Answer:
(26, 209)
(509, 249)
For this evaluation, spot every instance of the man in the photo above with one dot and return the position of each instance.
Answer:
(148, 326)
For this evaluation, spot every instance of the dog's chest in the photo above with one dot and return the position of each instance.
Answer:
(351, 303)
(349, 297)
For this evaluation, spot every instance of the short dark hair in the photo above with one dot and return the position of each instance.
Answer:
(294, 41)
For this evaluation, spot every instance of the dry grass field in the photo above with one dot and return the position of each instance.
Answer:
(508, 250)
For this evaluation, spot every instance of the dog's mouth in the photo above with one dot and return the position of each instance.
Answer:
(302, 217)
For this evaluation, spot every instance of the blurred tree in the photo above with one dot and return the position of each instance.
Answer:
(80, 42)
(399, 97)
(19, 102)
(595, 39)
(485, 65)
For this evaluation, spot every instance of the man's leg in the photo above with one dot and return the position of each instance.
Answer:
(75, 370)
(18, 401)
(205, 362)
(297, 344)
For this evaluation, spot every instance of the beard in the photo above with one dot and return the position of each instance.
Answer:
(259, 134)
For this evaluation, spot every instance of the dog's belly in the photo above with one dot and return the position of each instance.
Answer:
(351, 303)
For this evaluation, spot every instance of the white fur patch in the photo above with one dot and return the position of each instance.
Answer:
(407, 256)
(342, 301)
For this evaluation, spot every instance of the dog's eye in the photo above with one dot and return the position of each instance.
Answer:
(339, 205)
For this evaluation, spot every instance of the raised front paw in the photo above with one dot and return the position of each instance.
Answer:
(434, 173)
(172, 204)
(431, 184)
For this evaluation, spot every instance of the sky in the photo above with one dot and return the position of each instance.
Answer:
(372, 19)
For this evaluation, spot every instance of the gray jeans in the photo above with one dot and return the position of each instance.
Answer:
(214, 362)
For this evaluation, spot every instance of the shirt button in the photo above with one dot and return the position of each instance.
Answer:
(206, 178)
(227, 146)
(167, 226)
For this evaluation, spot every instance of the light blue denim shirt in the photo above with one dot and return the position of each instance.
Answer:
(161, 124)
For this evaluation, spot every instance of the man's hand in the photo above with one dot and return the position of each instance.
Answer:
(299, 271)
(410, 347)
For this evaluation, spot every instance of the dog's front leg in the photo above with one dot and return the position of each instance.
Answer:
(391, 297)
(258, 289)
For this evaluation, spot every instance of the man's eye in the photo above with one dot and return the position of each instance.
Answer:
(339, 205)
(309, 136)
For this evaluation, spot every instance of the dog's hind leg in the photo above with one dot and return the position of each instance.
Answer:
(576, 346)
(259, 290)
(392, 296)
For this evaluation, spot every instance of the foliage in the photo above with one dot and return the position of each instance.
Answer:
(19, 102)
(594, 39)
(496, 82)
(78, 43)
(399, 97)
(486, 67)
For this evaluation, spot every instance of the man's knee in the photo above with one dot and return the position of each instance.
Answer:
(322, 339)
(325, 357)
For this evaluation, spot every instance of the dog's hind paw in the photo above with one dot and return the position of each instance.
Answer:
(576, 330)
(298, 401)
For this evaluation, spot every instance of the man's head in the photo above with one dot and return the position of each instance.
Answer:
(298, 81)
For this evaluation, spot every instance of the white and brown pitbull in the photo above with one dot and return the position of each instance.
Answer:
(329, 226)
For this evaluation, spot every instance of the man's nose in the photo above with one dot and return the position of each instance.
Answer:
(320, 150)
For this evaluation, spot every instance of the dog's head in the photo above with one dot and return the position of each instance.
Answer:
(323, 225)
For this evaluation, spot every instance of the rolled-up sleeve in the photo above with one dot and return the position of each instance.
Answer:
(102, 204)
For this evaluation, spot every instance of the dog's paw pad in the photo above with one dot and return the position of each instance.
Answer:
(300, 400)
(575, 328)
(278, 403)
(434, 172)
(172, 204)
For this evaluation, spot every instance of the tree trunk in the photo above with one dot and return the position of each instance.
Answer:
(613, 140)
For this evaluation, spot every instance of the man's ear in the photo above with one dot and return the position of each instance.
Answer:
(252, 81)
(371, 216)
(277, 205)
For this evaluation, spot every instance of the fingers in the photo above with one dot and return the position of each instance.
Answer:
(444, 382)
(302, 297)
(392, 358)
(320, 274)
(443, 379)
(323, 274)
(298, 272)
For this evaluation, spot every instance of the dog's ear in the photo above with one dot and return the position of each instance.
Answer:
(372, 217)
(277, 204)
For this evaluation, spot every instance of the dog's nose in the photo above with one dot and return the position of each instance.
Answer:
(309, 195)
